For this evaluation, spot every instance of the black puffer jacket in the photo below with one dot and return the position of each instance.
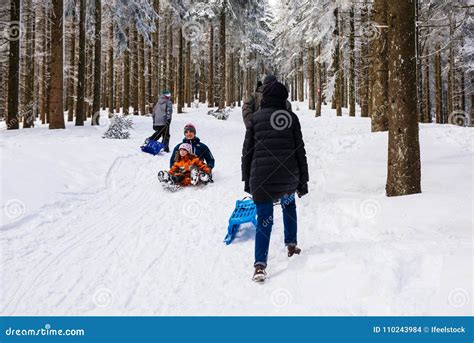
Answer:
(273, 156)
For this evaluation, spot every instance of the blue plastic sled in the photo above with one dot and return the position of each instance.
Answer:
(244, 212)
(152, 147)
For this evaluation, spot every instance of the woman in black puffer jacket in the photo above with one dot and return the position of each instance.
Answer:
(274, 167)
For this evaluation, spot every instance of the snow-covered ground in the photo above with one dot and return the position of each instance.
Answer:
(87, 229)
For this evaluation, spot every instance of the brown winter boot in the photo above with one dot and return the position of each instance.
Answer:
(260, 274)
(293, 249)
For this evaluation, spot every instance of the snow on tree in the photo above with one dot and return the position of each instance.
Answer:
(118, 128)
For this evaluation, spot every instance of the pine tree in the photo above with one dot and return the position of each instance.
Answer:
(97, 62)
(56, 117)
(14, 67)
(404, 175)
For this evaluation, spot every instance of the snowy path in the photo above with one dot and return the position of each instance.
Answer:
(99, 236)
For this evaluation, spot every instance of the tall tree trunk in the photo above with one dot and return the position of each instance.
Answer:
(89, 79)
(156, 69)
(56, 118)
(210, 91)
(451, 65)
(97, 62)
(426, 91)
(364, 65)
(337, 66)
(404, 175)
(134, 80)
(379, 53)
(171, 69)
(202, 82)
(188, 74)
(29, 74)
(111, 70)
(222, 57)
(72, 65)
(141, 76)
(300, 78)
(343, 86)
(311, 91)
(320, 83)
(352, 64)
(14, 67)
(44, 69)
(81, 72)
(438, 87)
(126, 74)
(180, 72)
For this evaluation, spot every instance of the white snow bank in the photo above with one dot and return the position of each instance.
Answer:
(87, 230)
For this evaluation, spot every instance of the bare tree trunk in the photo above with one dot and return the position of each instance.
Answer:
(126, 74)
(44, 76)
(14, 68)
(180, 72)
(202, 82)
(404, 175)
(426, 91)
(97, 62)
(438, 87)
(300, 78)
(352, 64)
(111, 69)
(210, 91)
(72, 65)
(81, 73)
(28, 103)
(222, 57)
(320, 83)
(141, 76)
(311, 91)
(451, 65)
(343, 86)
(156, 69)
(89, 79)
(337, 66)
(379, 98)
(56, 118)
(364, 67)
(134, 80)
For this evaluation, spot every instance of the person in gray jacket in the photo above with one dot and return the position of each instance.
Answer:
(253, 103)
(162, 115)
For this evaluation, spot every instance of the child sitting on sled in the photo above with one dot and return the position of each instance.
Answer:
(187, 170)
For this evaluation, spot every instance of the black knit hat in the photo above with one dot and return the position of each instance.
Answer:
(269, 79)
(275, 90)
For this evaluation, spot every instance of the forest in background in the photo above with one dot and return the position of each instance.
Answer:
(120, 54)
(401, 62)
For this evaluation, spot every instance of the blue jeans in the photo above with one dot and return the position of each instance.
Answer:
(265, 223)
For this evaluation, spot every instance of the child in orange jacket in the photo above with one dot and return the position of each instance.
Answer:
(186, 161)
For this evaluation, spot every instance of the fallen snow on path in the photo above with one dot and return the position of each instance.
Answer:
(87, 229)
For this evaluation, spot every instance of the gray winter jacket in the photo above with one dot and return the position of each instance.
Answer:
(163, 111)
(253, 104)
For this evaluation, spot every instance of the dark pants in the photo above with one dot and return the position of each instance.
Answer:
(265, 223)
(162, 131)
